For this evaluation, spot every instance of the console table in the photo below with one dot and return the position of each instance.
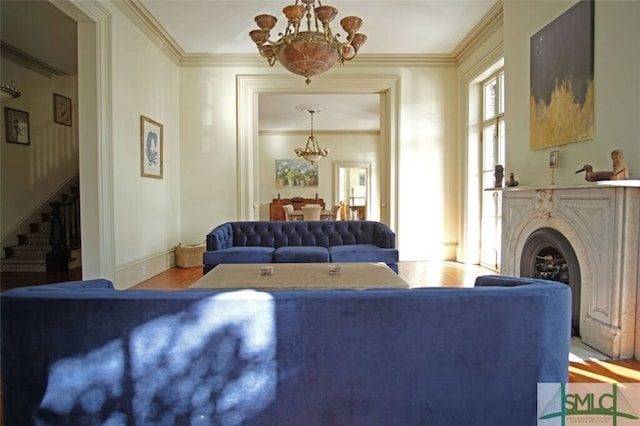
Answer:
(275, 207)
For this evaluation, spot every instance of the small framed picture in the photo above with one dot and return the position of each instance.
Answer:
(61, 109)
(16, 124)
(554, 159)
(151, 150)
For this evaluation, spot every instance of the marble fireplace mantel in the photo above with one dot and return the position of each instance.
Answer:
(601, 221)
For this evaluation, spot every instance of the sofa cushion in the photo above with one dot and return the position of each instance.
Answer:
(301, 254)
(239, 255)
(363, 253)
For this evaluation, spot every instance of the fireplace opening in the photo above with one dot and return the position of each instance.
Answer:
(547, 254)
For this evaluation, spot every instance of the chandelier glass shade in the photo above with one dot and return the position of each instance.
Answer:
(312, 151)
(311, 49)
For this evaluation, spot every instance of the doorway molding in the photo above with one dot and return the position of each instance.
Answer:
(249, 87)
(95, 125)
(367, 179)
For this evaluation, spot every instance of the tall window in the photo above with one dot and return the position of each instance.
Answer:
(493, 143)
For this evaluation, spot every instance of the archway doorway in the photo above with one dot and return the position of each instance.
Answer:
(249, 88)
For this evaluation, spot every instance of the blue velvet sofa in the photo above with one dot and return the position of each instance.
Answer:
(84, 353)
(300, 242)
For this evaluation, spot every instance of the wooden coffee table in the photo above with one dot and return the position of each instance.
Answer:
(300, 276)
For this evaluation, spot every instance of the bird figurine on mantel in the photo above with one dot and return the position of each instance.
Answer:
(591, 176)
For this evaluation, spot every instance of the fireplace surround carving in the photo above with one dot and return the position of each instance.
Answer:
(601, 224)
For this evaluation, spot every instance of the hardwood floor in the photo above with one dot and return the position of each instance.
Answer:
(622, 371)
(433, 274)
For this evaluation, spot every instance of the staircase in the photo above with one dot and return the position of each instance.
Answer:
(30, 254)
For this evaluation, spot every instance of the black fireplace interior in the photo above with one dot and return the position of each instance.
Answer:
(547, 254)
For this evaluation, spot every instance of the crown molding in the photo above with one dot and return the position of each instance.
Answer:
(222, 59)
(363, 60)
(488, 25)
(145, 21)
(403, 60)
(148, 24)
(16, 55)
(319, 132)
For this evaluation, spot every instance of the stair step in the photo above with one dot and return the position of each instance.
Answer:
(36, 239)
(23, 265)
(30, 250)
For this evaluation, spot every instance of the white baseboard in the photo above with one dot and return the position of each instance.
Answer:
(133, 273)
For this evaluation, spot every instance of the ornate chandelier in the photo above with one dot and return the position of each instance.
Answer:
(311, 52)
(312, 151)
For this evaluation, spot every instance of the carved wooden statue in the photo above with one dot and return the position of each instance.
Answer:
(620, 169)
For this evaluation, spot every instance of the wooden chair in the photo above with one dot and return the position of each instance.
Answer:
(311, 212)
(288, 209)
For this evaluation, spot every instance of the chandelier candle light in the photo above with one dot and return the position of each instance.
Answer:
(311, 52)
(312, 151)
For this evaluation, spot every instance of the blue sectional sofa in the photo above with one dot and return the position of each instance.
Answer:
(301, 242)
(85, 353)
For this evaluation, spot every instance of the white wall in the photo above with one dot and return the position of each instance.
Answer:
(617, 91)
(208, 155)
(428, 165)
(33, 173)
(343, 148)
(427, 198)
(147, 218)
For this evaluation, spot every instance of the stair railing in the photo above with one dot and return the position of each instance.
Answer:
(64, 233)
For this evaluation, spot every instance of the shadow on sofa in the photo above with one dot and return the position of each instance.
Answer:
(85, 353)
(300, 242)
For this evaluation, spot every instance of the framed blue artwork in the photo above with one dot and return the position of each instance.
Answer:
(151, 150)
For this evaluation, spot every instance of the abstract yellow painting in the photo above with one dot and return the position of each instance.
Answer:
(562, 85)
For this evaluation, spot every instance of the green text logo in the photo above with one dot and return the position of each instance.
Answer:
(590, 402)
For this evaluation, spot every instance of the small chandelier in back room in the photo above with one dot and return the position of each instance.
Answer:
(312, 151)
(311, 52)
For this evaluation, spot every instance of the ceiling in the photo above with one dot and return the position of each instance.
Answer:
(215, 27)
(403, 27)
(418, 27)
